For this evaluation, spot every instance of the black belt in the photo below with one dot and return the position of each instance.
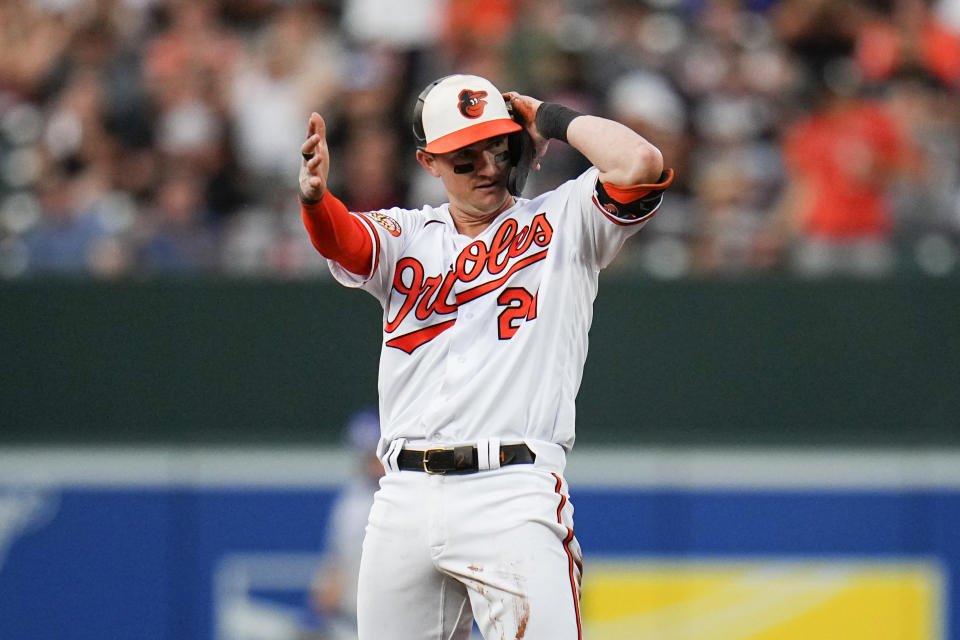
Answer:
(460, 459)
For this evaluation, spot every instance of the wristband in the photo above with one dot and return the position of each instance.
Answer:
(552, 120)
(307, 201)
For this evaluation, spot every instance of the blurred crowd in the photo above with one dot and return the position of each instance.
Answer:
(161, 137)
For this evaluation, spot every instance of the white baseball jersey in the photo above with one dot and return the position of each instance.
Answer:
(486, 337)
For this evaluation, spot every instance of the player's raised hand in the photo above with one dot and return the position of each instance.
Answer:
(316, 160)
(525, 112)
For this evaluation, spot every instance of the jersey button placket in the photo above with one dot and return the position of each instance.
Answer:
(459, 339)
(462, 336)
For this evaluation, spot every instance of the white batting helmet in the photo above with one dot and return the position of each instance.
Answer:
(458, 110)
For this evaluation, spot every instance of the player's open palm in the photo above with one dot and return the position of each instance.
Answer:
(316, 160)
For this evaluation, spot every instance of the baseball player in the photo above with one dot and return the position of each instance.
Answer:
(487, 301)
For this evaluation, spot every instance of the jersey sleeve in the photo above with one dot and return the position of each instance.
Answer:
(611, 213)
(390, 231)
(631, 205)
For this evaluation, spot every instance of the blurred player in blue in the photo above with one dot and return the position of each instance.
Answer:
(334, 592)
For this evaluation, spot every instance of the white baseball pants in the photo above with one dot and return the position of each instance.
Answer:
(496, 546)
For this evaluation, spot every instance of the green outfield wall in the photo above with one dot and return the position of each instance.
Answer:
(684, 363)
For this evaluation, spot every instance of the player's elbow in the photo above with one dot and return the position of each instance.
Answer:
(645, 163)
(641, 163)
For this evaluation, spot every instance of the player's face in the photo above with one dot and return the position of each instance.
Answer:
(475, 176)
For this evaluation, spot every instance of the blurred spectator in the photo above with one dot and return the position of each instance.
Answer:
(909, 36)
(334, 592)
(818, 31)
(293, 67)
(927, 200)
(178, 238)
(475, 25)
(270, 241)
(649, 103)
(841, 160)
(66, 237)
(188, 66)
(32, 40)
(76, 134)
(370, 166)
(412, 24)
(193, 52)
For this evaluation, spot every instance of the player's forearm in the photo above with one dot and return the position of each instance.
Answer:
(624, 157)
(337, 234)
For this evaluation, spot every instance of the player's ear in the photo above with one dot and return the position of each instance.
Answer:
(429, 162)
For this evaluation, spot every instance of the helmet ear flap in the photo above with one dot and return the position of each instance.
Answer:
(521, 154)
(521, 157)
(418, 133)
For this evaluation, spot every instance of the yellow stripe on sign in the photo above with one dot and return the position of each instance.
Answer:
(763, 600)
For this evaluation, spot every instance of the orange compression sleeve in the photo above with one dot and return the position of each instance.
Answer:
(338, 235)
(625, 195)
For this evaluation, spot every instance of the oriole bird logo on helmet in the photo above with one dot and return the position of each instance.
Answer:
(472, 103)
